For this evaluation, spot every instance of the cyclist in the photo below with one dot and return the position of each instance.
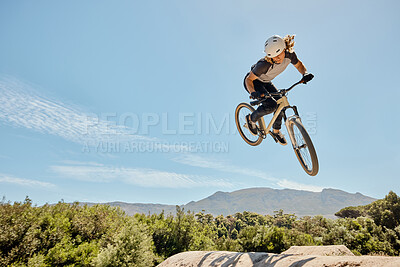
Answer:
(279, 53)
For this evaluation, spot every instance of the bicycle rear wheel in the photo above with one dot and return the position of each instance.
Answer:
(242, 110)
(303, 146)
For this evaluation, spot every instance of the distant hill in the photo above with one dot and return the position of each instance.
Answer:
(267, 200)
(133, 208)
(262, 201)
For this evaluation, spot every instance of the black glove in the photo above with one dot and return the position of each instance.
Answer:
(307, 77)
(256, 95)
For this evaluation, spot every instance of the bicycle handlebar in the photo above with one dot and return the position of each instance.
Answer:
(291, 87)
(280, 93)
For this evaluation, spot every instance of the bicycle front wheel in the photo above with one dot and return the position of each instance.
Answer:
(242, 110)
(303, 146)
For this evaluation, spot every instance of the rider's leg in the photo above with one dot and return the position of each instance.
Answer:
(276, 130)
(266, 108)
(269, 105)
(270, 87)
(278, 123)
(276, 127)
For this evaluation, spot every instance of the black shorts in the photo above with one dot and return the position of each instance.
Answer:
(260, 86)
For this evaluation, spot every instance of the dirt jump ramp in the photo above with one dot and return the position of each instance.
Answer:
(321, 256)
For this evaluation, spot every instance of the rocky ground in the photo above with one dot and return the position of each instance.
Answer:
(322, 256)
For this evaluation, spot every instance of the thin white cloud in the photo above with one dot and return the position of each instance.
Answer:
(21, 106)
(24, 182)
(136, 176)
(198, 161)
(87, 163)
(293, 185)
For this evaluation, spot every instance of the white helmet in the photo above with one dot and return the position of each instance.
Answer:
(274, 46)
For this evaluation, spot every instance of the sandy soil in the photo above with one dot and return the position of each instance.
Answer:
(319, 250)
(322, 256)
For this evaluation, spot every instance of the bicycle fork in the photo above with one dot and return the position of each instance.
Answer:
(287, 121)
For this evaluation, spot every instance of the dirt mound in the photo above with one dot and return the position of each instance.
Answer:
(340, 257)
(319, 250)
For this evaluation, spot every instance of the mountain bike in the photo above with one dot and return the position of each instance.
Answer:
(300, 139)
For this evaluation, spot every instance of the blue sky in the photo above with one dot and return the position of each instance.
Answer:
(134, 100)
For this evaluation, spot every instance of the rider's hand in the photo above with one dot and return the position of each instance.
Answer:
(307, 77)
(256, 95)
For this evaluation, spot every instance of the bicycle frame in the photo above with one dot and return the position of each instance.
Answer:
(283, 104)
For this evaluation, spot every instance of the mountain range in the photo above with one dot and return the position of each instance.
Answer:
(260, 200)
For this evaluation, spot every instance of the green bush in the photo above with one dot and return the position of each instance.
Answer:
(79, 235)
(58, 235)
(131, 246)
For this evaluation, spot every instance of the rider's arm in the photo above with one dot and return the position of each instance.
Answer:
(300, 67)
(249, 82)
